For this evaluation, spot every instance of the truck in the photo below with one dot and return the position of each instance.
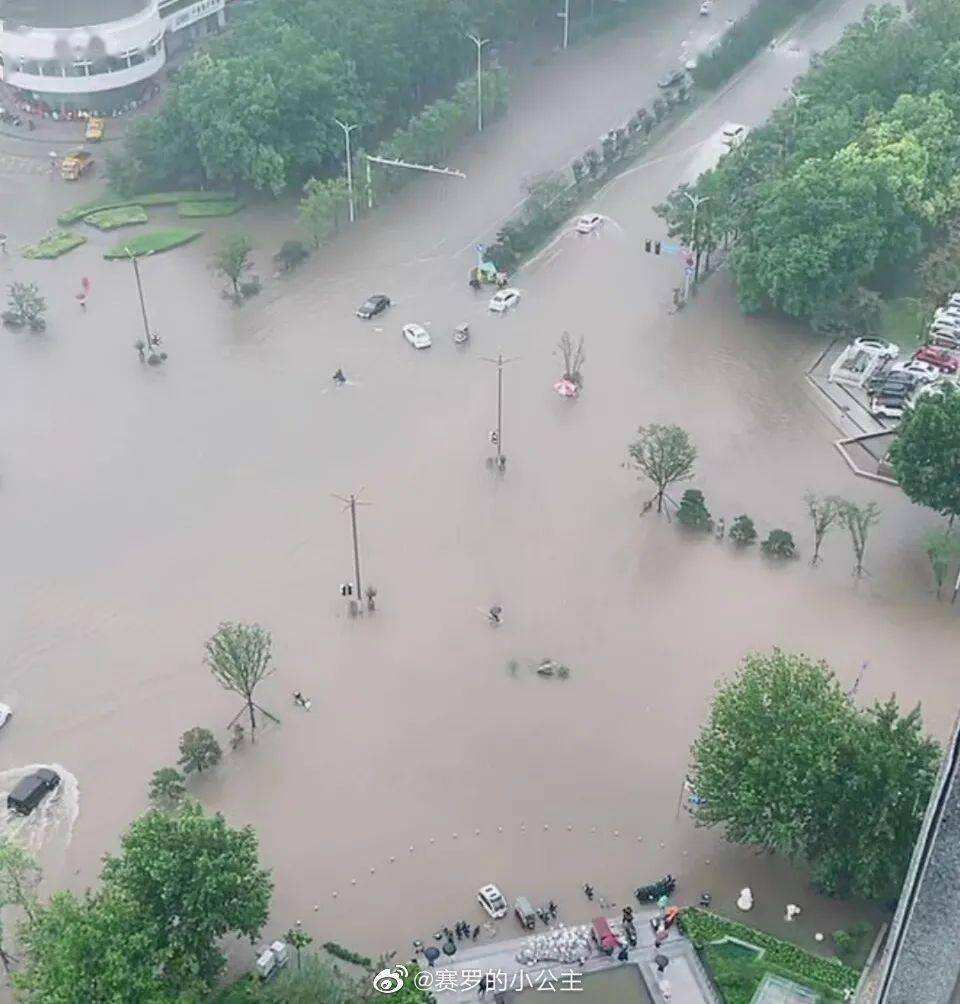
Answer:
(75, 164)
(94, 130)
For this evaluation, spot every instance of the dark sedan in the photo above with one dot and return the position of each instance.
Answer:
(373, 305)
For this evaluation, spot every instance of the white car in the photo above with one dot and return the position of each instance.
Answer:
(706, 7)
(888, 407)
(589, 222)
(924, 372)
(5, 712)
(491, 899)
(504, 299)
(887, 350)
(417, 336)
(733, 134)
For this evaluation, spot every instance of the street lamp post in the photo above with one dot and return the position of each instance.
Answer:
(696, 201)
(347, 129)
(479, 43)
(499, 362)
(565, 14)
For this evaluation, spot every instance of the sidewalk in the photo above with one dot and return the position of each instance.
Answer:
(688, 981)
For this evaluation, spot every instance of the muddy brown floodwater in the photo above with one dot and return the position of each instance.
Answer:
(142, 507)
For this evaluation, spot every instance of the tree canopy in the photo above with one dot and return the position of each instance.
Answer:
(786, 762)
(926, 453)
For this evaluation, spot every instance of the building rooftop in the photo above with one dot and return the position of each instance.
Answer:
(921, 962)
(66, 13)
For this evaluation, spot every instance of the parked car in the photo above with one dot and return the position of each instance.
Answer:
(671, 79)
(942, 359)
(888, 407)
(924, 372)
(589, 222)
(5, 712)
(271, 960)
(417, 336)
(945, 339)
(733, 134)
(886, 349)
(524, 912)
(30, 790)
(373, 305)
(491, 899)
(603, 935)
(504, 299)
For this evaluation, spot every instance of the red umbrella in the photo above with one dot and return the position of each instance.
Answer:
(566, 388)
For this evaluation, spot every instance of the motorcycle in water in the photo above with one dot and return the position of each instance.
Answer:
(461, 334)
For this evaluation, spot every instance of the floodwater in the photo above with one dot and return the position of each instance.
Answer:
(142, 506)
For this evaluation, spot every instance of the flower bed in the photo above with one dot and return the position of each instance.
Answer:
(738, 976)
(152, 243)
(54, 245)
(151, 199)
(120, 216)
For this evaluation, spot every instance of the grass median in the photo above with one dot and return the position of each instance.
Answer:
(152, 243)
(54, 245)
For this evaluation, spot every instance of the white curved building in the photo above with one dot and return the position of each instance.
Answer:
(94, 53)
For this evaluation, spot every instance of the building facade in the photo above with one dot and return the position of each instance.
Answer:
(95, 54)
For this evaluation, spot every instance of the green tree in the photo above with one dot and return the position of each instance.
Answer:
(91, 948)
(199, 750)
(926, 454)
(167, 789)
(786, 763)
(693, 511)
(193, 880)
(299, 939)
(779, 544)
(239, 657)
(25, 305)
(743, 531)
(233, 259)
(824, 512)
(316, 210)
(859, 520)
(942, 548)
(664, 455)
(19, 875)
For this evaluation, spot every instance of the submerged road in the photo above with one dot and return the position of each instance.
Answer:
(142, 507)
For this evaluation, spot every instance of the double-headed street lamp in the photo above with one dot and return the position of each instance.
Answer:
(696, 201)
(479, 43)
(347, 129)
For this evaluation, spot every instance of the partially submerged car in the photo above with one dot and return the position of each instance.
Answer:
(417, 336)
(504, 299)
(491, 899)
(373, 305)
(31, 790)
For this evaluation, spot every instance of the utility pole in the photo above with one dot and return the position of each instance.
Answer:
(500, 362)
(351, 502)
(143, 306)
(479, 43)
(696, 201)
(347, 129)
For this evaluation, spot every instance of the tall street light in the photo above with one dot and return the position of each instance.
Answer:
(565, 14)
(696, 201)
(347, 129)
(479, 43)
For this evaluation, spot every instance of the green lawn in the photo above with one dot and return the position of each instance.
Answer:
(209, 207)
(738, 973)
(152, 243)
(901, 323)
(151, 199)
(120, 216)
(54, 245)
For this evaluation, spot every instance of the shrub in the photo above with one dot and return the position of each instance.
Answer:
(209, 207)
(291, 254)
(339, 952)
(779, 544)
(743, 531)
(693, 510)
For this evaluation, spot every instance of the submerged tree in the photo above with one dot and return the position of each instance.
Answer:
(19, 875)
(25, 305)
(664, 455)
(573, 358)
(942, 548)
(824, 511)
(199, 750)
(859, 520)
(233, 259)
(239, 656)
(167, 789)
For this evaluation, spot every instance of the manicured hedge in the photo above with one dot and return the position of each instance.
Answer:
(54, 245)
(152, 243)
(704, 928)
(151, 199)
(209, 207)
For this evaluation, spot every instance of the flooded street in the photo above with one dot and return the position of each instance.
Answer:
(142, 507)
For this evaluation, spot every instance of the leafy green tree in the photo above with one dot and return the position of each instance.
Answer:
(239, 657)
(742, 531)
(693, 511)
(942, 548)
(299, 940)
(290, 255)
(19, 875)
(91, 948)
(786, 763)
(859, 520)
(926, 454)
(824, 512)
(199, 750)
(664, 455)
(193, 880)
(779, 544)
(233, 259)
(316, 210)
(167, 788)
(25, 305)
